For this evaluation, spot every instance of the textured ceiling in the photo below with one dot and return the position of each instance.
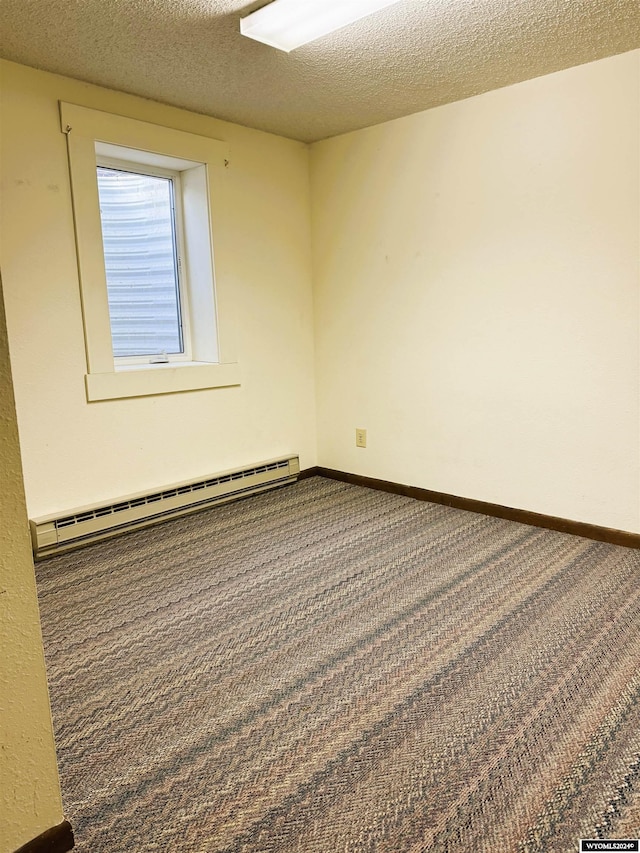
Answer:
(403, 59)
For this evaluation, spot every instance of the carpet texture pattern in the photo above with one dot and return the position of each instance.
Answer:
(327, 668)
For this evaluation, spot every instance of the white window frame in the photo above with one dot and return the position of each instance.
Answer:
(200, 161)
(181, 268)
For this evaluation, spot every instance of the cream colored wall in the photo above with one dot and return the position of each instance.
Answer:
(76, 453)
(29, 790)
(476, 296)
(476, 302)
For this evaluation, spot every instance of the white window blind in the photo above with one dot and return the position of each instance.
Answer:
(141, 262)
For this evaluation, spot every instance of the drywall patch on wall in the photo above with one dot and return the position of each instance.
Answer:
(476, 272)
(30, 800)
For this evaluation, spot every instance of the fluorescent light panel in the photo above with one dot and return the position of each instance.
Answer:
(288, 24)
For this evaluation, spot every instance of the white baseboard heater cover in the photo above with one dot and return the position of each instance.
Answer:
(52, 534)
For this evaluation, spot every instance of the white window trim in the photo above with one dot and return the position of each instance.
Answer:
(203, 161)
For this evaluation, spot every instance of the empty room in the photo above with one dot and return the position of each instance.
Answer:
(320, 426)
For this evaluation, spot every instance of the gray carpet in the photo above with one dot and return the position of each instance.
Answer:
(328, 668)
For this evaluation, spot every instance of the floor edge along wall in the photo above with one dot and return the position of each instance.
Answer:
(535, 519)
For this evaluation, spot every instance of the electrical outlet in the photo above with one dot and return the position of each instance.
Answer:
(361, 437)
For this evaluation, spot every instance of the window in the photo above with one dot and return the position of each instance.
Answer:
(143, 259)
(145, 200)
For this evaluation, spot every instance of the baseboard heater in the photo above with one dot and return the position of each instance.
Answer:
(52, 534)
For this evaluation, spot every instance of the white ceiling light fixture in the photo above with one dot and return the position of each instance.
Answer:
(288, 24)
